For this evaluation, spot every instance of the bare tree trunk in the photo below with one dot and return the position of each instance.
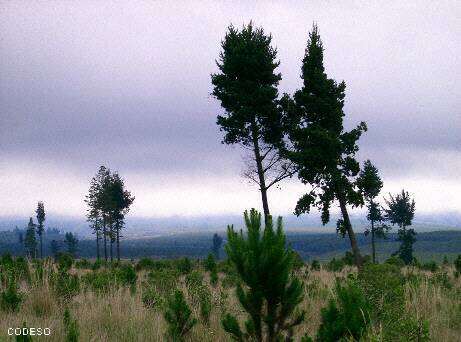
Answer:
(97, 245)
(111, 234)
(351, 234)
(262, 181)
(41, 246)
(118, 243)
(373, 248)
(104, 233)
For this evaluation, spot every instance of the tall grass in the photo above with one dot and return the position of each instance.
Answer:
(120, 314)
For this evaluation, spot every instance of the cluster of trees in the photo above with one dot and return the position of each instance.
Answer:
(300, 134)
(33, 245)
(108, 202)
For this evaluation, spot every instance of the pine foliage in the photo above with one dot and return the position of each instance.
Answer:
(268, 291)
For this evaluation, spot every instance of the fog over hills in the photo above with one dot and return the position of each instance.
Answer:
(151, 227)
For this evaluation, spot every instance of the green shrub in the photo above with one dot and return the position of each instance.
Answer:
(10, 299)
(184, 265)
(335, 265)
(179, 317)
(457, 264)
(430, 266)
(64, 260)
(164, 281)
(214, 277)
(200, 294)
(383, 286)
(315, 265)
(97, 265)
(395, 261)
(298, 261)
(210, 262)
(65, 285)
(83, 264)
(126, 274)
(70, 327)
(346, 316)
(151, 299)
(7, 259)
(145, 264)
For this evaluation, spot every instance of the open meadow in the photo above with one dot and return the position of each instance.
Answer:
(127, 301)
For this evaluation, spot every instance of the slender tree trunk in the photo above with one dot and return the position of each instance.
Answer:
(111, 242)
(350, 233)
(97, 245)
(262, 181)
(118, 243)
(41, 247)
(104, 233)
(373, 247)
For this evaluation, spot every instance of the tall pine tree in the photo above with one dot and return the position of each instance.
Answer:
(40, 227)
(370, 185)
(246, 85)
(401, 211)
(30, 240)
(322, 150)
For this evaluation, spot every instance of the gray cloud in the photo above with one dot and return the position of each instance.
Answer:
(85, 83)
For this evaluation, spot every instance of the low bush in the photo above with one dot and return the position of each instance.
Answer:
(145, 264)
(64, 260)
(70, 327)
(65, 285)
(335, 265)
(346, 316)
(430, 266)
(395, 261)
(10, 298)
(179, 317)
(315, 265)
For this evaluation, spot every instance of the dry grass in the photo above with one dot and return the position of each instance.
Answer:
(121, 315)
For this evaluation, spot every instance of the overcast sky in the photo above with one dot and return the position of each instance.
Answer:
(127, 84)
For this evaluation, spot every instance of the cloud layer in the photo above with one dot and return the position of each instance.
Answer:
(127, 85)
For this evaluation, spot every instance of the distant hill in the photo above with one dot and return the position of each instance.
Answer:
(322, 246)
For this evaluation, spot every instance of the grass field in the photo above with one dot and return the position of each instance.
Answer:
(112, 306)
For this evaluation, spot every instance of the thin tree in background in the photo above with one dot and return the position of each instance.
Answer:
(30, 240)
(121, 200)
(95, 213)
(320, 148)
(216, 246)
(370, 185)
(268, 291)
(71, 242)
(40, 227)
(54, 247)
(246, 85)
(401, 211)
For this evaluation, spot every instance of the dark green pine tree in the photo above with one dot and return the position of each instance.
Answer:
(54, 247)
(71, 242)
(178, 317)
(40, 227)
(320, 148)
(30, 240)
(216, 246)
(401, 211)
(121, 200)
(268, 291)
(370, 185)
(98, 207)
(246, 86)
